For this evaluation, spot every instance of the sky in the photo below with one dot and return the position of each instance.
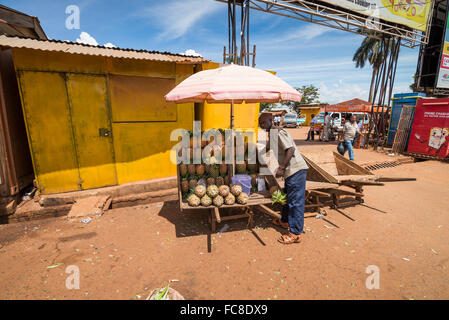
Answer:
(301, 53)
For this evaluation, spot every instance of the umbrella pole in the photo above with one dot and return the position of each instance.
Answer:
(232, 114)
(233, 145)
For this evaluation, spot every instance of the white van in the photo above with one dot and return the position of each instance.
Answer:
(337, 117)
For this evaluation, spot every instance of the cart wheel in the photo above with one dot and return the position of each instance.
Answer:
(333, 206)
(362, 201)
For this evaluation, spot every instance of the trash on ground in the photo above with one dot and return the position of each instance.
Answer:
(87, 220)
(55, 265)
(224, 229)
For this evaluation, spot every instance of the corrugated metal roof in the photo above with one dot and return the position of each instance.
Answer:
(16, 23)
(79, 48)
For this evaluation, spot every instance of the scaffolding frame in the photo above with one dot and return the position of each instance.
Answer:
(326, 15)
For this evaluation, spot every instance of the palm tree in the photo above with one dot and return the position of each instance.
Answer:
(370, 50)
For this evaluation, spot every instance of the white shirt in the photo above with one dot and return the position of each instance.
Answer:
(327, 120)
(350, 130)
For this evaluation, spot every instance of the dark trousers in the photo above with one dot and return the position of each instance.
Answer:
(311, 133)
(293, 211)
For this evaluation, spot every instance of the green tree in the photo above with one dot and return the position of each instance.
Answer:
(309, 93)
(370, 51)
(265, 105)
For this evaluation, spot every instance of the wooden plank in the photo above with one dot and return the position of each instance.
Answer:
(217, 214)
(268, 211)
(348, 166)
(393, 179)
(316, 173)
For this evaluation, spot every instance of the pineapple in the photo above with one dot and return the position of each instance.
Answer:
(223, 191)
(254, 180)
(193, 200)
(183, 169)
(191, 168)
(227, 180)
(230, 199)
(184, 186)
(240, 167)
(200, 169)
(200, 190)
(219, 181)
(206, 201)
(236, 189)
(212, 191)
(218, 201)
(210, 181)
(214, 170)
(242, 198)
(278, 197)
(223, 169)
(193, 183)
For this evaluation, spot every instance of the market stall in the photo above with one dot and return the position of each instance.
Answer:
(209, 184)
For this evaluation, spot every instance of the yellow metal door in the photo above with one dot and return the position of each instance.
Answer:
(92, 130)
(47, 117)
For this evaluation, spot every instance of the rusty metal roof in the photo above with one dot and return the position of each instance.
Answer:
(79, 48)
(16, 23)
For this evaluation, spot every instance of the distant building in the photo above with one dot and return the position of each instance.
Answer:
(306, 111)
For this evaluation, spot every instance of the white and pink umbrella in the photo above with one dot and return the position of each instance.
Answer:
(233, 84)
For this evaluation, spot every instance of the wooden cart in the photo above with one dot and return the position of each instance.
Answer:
(333, 168)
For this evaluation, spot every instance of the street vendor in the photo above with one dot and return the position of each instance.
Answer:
(294, 170)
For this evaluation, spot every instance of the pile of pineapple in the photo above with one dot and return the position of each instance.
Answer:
(209, 184)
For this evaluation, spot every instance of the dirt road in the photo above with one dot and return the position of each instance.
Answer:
(402, 230)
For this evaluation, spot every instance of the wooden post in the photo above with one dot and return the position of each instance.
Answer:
(217, 214)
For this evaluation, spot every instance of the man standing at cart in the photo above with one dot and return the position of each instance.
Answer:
(294, 170)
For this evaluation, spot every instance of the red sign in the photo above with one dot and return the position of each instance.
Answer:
(430, 130)
(445, 61)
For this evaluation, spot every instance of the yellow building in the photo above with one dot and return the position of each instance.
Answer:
(213, 115)
(306, 111)
(97, 116)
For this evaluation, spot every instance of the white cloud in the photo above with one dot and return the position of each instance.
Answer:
(178, 17)
(86, 38)
(341, 91)
(191, 52)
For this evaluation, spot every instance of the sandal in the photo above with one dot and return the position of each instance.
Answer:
(290, 238)
(279, 223)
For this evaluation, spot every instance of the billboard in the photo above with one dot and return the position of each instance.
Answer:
(443, 73)
(411, 13)
(430, 130)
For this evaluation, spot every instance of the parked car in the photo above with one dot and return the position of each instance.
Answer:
(301, 120)
(289, 120)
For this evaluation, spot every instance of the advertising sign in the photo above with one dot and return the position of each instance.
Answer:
(411, 13)
(430, 130)
(443, 73)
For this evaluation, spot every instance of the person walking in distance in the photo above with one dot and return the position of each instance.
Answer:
(311, 133)
(327, 126)
(350, 129)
